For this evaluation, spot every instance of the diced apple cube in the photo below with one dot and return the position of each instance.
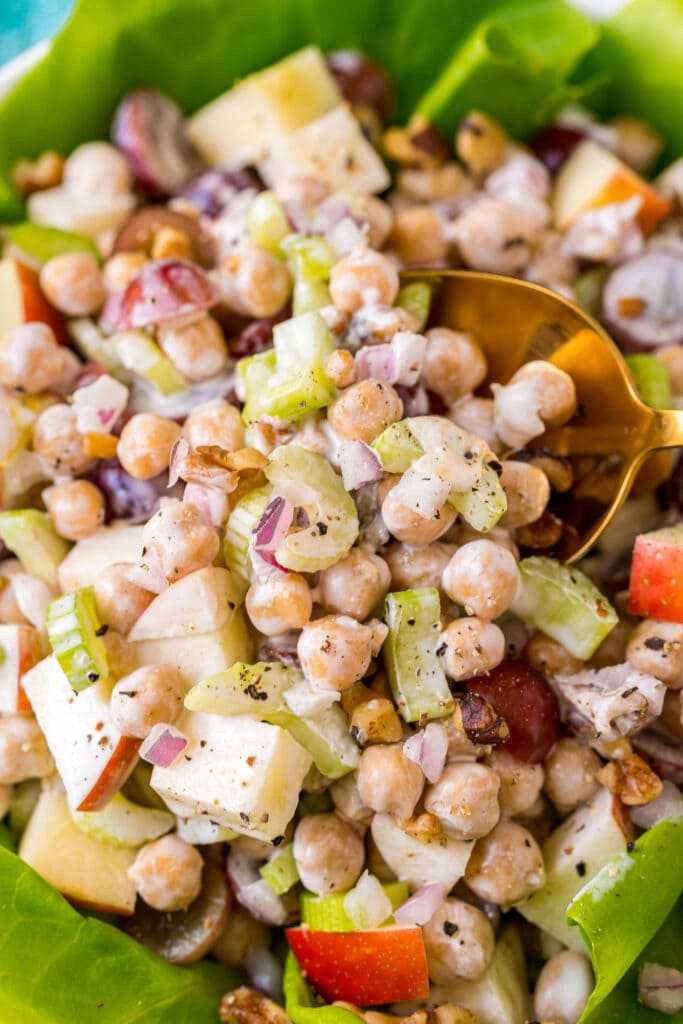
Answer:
(22, 301)
(656, 586)
(88, 559)
(242, 773)
(84, 215)
(89, 872)
(332, 148)
(199, 656)
(200, 602)
(237, 128)
(21, 647)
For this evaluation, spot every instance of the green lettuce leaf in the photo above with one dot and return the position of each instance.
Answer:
(57, 967)
(621, 910)
(6, 837)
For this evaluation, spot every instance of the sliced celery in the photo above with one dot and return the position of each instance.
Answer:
(256, 373)
(124, 823)
(311, 257)
(41, 243)
(652, 379)
(143, 357)
(327, 914)
(29, 534)
(397, 447)
(240, 525)
(484, 505)
(332, 514)
(417, 680)
(92, 344)
(267, 222)
(559, 600)
(281, 872)
(589, 287)
(416, 298)
(324, 736)
(310, 296)
(73, 629)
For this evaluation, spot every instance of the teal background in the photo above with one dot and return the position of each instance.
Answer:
(25, 22)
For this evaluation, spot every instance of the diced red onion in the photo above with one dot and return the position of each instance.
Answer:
(330, 212)
(367, 904)
(112, 312)
(214, 505)
(376, 362)
(666, 759)
(428, 748)
(98, 405)
(669, 804)
(163, 746)
(415, 399)
(253, 892)
(408, 350)
(265, 972)
(297, 217)
(421, 906)
(179, 451)
(359, 463)
(660, 988)
(271, 530)
(345, 236)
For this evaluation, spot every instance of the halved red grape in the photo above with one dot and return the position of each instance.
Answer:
(525, 700)
(125, 497)
(642, 301)
(552, 145)
(256, 337)
(165, 290)
(138, 232)
(212, 191)
(362, 81)
(149, 128)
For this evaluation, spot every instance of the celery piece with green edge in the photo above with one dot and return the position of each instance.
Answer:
(332, 514)
(327, 914)
(93, 345)
(29, 534)
(73, 628)
(281, 872)
(483, 505)
(397, 447)
(298, 396)
(256, 373)
(143, 358)
(309, 296)
(123, 823)
(417, 680)
(562, 602)
(300, 1003)
(324, 736)
(238, 530)
(416, 298)
(588, 289)
(652, 379)
(311, 257)
(267, 222)
(41, 243)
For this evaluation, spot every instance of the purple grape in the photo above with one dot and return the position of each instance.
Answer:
(124, 496)
(212, 191)
(256, 337)
(362, 82)
(552, 145)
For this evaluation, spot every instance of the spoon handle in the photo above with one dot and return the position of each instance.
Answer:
(666, 430)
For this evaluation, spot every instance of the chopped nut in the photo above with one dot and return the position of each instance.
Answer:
(631, 306)
(420, 144)
(171, 243)
(237, 461)
(34, 175)
(450, 1014)
(340, 368)
(479, 720)
(480, 142)
(632, 780)
(375, 721)
(422, 827)
(244, 1006)
(99, 446)
(542, 534)
(422, 1017)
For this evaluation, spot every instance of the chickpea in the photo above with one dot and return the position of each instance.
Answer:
(144, 448)
(380, 218)
(418, 237)
(335, 651)
(76, 508)
(563, 987)
(150, 695)
(570, 770)
(472, 648)
(215, 423)
(480, 142)
(347, 801)
(388, 781)
(56, 438)
(253, 282)
(459, 942)
(656, 648)
(506, 865)
(197, 349)
(550, 657)
(465, 800)
(31, 360)
(636, 143)
(410, 527)
(167, 873)
(120, 269)
(555, 389)
(119, 601)
(495, 235)
(181, 539)
(242, 933)
(364, 410)
(355, 584)
(23, 750)
(417, 567)
(97, 169)
(527, 490)
(328, 852)
(340, 368)
(478, 416)
(427, 185)
(363, 278)
(454, 364)
(520, 783)
(375, 721)
(482, 577)
(279, 603)
(73, 284)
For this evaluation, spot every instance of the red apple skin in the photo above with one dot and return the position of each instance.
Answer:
(35, 305)
(113, 775)
(656, 587)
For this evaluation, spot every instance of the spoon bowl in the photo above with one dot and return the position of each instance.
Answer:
(613, 431)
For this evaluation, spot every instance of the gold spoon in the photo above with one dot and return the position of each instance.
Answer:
(613, 432)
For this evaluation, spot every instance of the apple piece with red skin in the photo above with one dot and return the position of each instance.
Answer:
(22, 648)
(366, 968)
(92, 757)
(22, 301)
(592, 177)
(656, 586)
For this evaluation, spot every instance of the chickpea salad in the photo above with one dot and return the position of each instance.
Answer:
(292, 674)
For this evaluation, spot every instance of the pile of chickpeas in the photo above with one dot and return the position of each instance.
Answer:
(330, 621)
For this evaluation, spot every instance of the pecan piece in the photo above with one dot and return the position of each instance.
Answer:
(245, 1006)
(632, 780)
(480, 721)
